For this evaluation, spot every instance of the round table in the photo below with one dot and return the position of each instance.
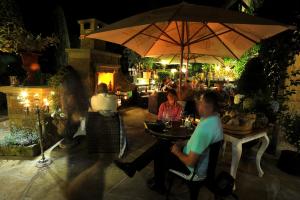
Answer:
(158, 130)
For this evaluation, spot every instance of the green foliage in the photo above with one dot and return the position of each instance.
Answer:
(195, 68)
(253, 79)
(239, 64)
(291, 124)
(277, 54)
(9, 11)
(163, 74)
(254, 5)
(15, 38)
(54, 82)
(20, 136)
(135, 60)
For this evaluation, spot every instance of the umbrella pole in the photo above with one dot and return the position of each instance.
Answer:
(188, 55)
(181, 56)
(180, 72)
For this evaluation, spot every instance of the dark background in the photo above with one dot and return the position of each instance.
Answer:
(38, 14)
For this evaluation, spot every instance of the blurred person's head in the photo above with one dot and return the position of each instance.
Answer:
(171, 96)
(168, 80)
(208, 104)
(102, 88)
(73, 93)
(220, 87)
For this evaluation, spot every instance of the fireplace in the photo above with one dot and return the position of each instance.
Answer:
(107, 78)
(107, 75)
(93, 62)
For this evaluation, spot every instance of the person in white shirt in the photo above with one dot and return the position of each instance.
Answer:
(103, 102)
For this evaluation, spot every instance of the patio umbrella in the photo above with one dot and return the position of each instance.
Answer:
(191, 58)
(189, 29)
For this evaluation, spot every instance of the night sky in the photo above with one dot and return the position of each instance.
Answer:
(37, 14)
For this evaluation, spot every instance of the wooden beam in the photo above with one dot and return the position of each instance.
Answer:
(167, 35)
(195, 34)
(222, 42)
(132, 37)
(207, 37)
(238, 32)
(158, 38)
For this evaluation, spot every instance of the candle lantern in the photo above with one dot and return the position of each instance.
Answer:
(34, 104)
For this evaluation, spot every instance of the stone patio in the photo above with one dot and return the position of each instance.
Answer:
(76, 174)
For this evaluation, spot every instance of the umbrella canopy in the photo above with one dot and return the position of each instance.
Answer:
(189, 29)
(191, 58)
(198, 29)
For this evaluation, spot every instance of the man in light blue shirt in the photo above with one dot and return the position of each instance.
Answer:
(182, 156)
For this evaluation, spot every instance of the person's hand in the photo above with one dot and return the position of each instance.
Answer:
(181, 143)
(175, 149)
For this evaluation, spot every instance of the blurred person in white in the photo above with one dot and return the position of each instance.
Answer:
(103, 102)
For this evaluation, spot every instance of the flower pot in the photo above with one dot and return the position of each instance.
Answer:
(29, 58)
(289, 162)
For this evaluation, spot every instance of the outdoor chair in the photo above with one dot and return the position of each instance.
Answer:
(193, 181)
(105, 134)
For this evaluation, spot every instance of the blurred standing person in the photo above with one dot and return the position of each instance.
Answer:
(74, 104)
(187, 96)
(224, 98)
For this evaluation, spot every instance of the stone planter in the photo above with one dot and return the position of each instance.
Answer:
(24, 151)
(289, 162)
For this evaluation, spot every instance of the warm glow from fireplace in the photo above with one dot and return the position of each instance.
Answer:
(106, 77)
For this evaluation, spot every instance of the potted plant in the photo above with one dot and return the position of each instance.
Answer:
(14, 38)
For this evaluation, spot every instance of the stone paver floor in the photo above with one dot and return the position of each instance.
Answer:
(78, 175)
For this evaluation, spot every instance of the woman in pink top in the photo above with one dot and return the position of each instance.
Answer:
(170, 110)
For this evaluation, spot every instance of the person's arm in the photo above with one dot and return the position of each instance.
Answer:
(161, 111)
(199, 144)
(189, 160)
(178, 114)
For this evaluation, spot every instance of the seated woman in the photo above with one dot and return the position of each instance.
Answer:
(170, 110)
(182, 156)
(104, 103)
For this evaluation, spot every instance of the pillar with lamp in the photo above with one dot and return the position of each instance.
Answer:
(40, 107)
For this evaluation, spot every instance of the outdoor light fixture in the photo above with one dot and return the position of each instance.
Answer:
(173, 71)
(35, 104)
(183, 70)
(164, 62)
